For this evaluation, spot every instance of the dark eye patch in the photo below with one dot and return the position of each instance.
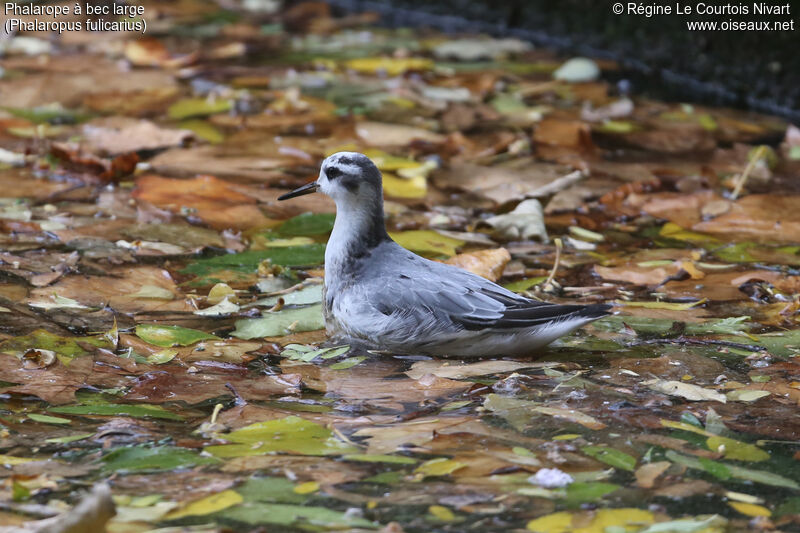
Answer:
(333, 172)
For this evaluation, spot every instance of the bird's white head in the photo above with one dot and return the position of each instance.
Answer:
(350, 178)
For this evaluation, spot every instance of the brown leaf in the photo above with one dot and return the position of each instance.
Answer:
(485, 263)
(117, 290)
(119, 135)
(647, 474)
(503, 184)
(216, 202)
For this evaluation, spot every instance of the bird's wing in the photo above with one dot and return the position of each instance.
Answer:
(466, 300)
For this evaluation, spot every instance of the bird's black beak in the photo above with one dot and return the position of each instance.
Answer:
(308, 188)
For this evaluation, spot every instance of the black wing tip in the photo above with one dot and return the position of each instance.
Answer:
(595, 310)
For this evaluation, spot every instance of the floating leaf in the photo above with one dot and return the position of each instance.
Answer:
(379, 458)
(66, 348)
(390, 65)
(739, 451)
(209, 504)
(348, 363)
(308, 487)
(281, 323)
(69, 438)
(308, 224)
(757, 476)
(394, 187)
(588, 492)
(611, 457)
(684, 390)
(287, 515)
(162, 356)
(746, 395)
(270, 489)
(438, 467)
(309, 294)
(155, 458)
(247, 262)
(49, 419)
(168, 336)
(524, 284)
(290, 435)
(751, 509)
(198, 107)
(113, 409)
(603, 521)
(440, 512)
(426, 241)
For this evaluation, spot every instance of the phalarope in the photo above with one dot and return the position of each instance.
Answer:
(389, 298)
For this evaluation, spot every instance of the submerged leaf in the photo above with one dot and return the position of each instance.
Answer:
(209, 504)
(156, 458)
(281, 323)
(168, 336)
(290, 435)
(611, 457)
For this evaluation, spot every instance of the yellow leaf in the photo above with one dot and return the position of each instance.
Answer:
(388, 162)
(662, 305)
(438, 467)
(738, 451)
(426, 241)
(750, 509)
(625, 519)
(416, 187)
(552, 523)
(209, 504)
(392, 66)
(442, 513)
(674, 231)
(566, 436)
(10, 460)
(307, 488)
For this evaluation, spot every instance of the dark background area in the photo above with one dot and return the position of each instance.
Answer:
(759, 70)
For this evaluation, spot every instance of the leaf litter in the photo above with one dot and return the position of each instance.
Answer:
(160, 312)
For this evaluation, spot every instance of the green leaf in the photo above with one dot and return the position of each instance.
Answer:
(270, 489)
(308, 224)
(307, 516)
(611, 457)
(588, 492)
(112, 409)
(161, 357)
(198, 107)
(348, 363)
(718, 470)
(790, 506)
(49, 419)
(51, 113)
(309, 294)
(66, 348)
(168, 336)
(281, 323)
(291, 435)
(379, 458)
(69, 438)
(757, 476)
(158, 458)
(524, 284)
(204, 130)
(247, 262)
(736, 450)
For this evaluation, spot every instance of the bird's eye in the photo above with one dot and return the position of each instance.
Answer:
(333, 172)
